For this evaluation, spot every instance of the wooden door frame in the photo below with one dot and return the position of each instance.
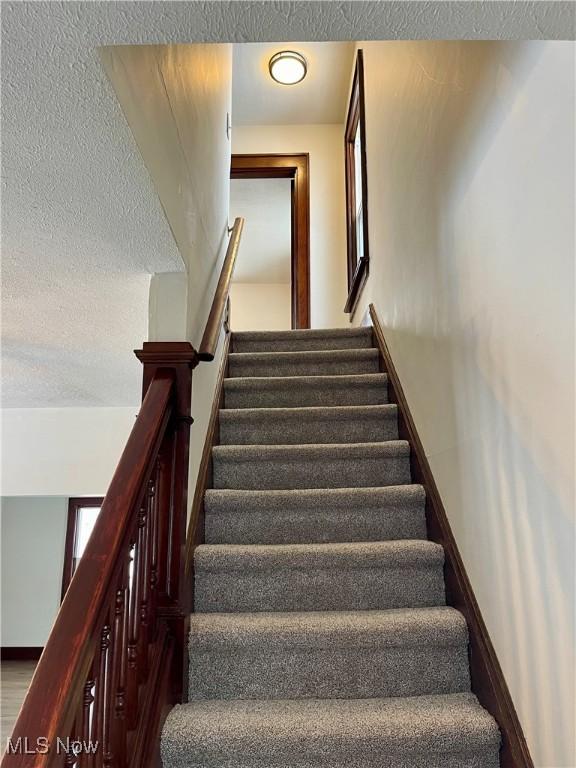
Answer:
(297, 168)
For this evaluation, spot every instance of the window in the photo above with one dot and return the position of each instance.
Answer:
(356, 189)
(82, 514)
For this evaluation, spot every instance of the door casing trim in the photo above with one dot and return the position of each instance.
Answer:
(296, 167)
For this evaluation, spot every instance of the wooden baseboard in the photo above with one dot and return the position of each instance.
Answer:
(20, 653)
(488, 681)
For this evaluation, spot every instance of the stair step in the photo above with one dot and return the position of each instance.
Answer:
(446, 731)
(300, 391)
(350, 465)
(317, 363)
(356, 654)
(303, 340)
(314, 515)
(316, 577)
(318, 425)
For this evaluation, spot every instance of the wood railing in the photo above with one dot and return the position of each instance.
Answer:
(212, 331)
(116, 659)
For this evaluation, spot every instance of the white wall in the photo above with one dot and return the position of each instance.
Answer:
(471, 204)
(265, 249)
(176, 99)
(168, 307)
(62, 451)
(48, 455)
(325, 144)
(261, 307)
(33, 535)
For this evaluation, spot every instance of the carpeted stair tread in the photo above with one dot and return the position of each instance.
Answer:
(410, 627)
(359, 654)
(298, 426)
(301, 340)
(266, 557)
(315, 577)
(314, 515)
(315, 363)
(444, 731)
(349, 465)
(300, 391)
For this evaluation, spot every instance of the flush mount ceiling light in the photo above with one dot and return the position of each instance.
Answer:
(288, 67)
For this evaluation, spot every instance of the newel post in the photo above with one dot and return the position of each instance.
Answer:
(173, 593)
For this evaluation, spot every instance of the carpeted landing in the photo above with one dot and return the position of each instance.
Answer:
(322, 638)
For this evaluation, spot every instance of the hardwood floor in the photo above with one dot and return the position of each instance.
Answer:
(15, 678)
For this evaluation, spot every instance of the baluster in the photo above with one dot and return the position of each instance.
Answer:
(145, 576)
(173, 542)
(117, 678)
(154, 526)
(100, 730)
(125, 637)
(71, 759)
(87, 758)
(132, 649)
(164, 503)
(139, 580)
(99, 669)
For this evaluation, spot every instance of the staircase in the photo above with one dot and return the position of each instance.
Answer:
(321, 637)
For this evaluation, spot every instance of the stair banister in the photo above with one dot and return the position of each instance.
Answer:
(212, 331)
(97, 656)
(116, 659)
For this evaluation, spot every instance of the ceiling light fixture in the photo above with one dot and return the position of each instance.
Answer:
(288, 67)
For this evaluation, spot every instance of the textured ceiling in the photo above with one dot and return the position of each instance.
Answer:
(264, 256)
(320, 98)
(82, 226)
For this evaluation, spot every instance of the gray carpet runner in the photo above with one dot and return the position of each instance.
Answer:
(321, 637)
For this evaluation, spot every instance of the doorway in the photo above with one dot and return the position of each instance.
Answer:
(295, 168)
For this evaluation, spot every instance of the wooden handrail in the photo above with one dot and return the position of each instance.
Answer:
(108, 631)
(214, 324)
